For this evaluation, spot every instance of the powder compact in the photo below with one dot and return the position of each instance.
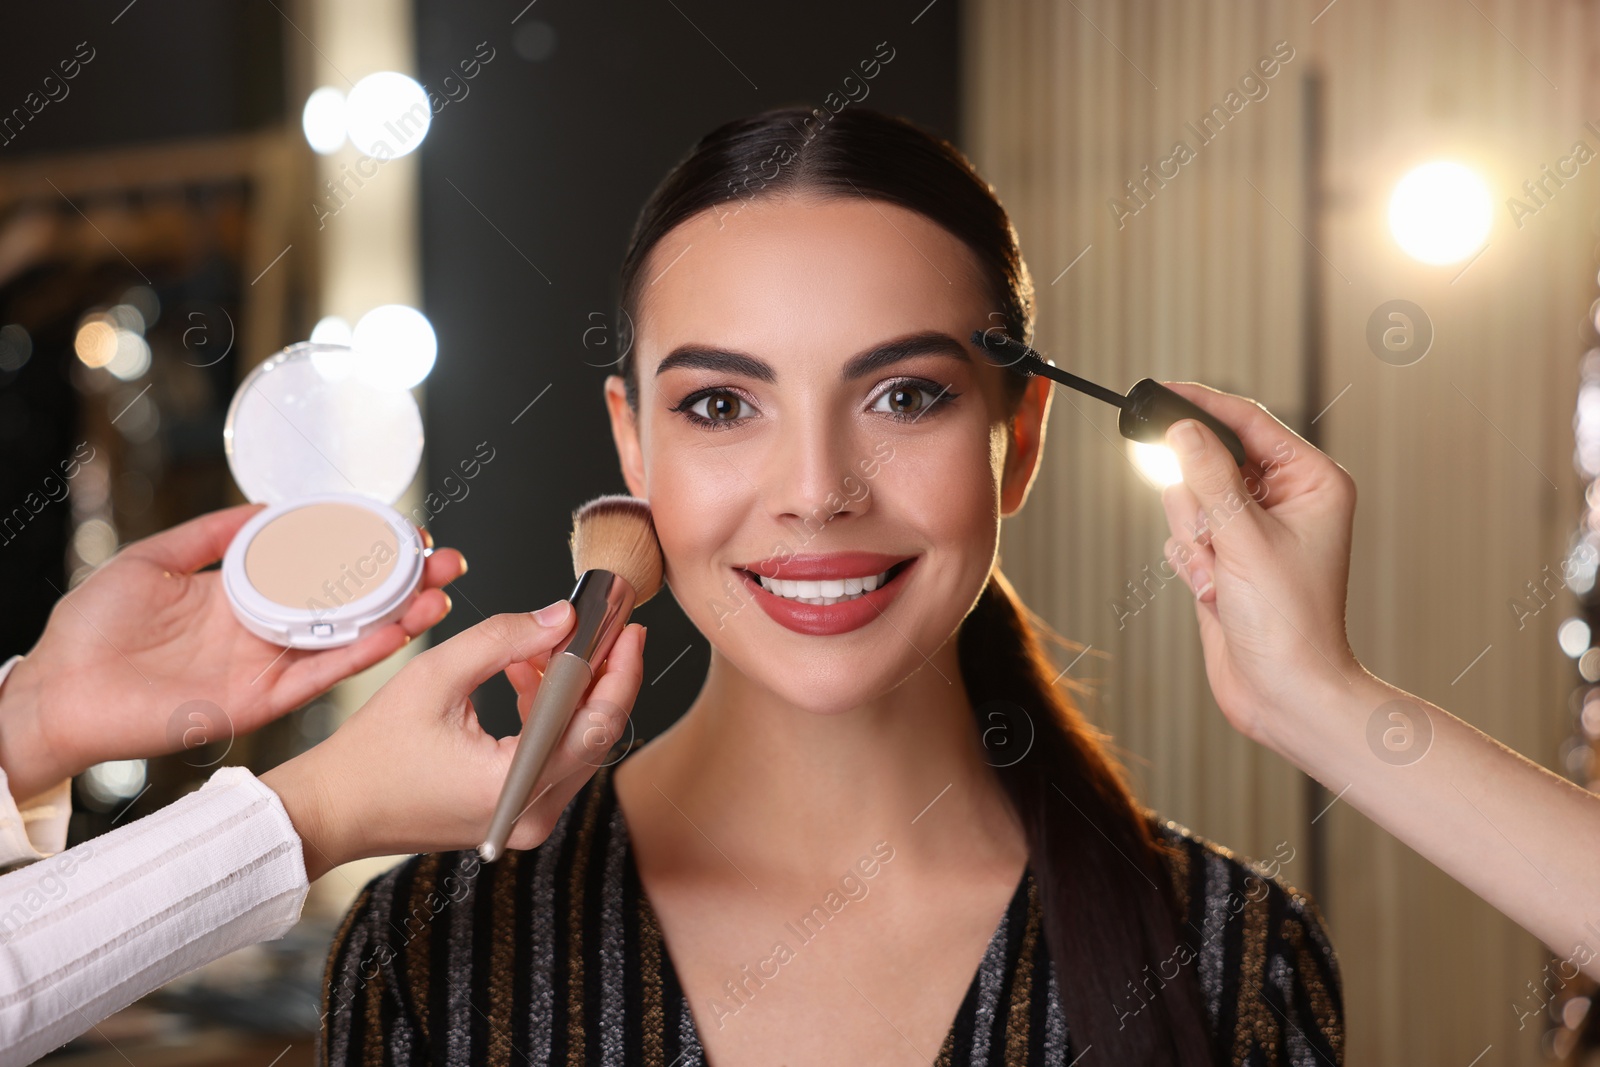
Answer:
(329, 452)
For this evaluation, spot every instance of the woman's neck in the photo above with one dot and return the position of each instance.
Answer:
(784, 792)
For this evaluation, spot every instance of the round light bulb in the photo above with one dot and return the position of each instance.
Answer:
(1441, 212)
(387, 115)
(323, 120)
(395, 346)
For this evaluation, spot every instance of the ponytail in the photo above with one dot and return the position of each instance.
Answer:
(1109, 904)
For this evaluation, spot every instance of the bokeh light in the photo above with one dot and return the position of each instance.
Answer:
(1441, 212)
(395, 346)
(323, 120)
(387, 115)
(1157, 463)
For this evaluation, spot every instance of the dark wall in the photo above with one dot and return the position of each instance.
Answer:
(155, 70)
(532, 175)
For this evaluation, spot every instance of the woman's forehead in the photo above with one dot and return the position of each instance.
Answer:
(816, 280)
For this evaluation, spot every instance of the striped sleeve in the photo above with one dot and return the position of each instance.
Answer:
(1268, 973)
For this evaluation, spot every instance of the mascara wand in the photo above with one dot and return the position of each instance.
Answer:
(1146, 412)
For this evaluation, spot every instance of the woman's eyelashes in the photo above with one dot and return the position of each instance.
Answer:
(909, 399)
(903, 399)
(717, 408)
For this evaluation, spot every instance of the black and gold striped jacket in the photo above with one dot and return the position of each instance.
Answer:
(553, 956)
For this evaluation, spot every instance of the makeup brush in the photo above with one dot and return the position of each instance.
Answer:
(618, 562)
(1146, 412)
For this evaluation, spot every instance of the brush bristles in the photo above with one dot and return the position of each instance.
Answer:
(616, 534)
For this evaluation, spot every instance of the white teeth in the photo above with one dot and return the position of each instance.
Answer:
(823, 591)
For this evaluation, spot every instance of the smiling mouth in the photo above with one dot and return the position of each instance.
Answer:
(822, 592)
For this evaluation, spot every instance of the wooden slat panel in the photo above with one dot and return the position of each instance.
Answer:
(1452, 455)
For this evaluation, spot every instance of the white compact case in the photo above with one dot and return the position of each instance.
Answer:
(329, 560)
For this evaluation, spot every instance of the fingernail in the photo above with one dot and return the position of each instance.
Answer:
(1202, 583)
(553, 614)
(1185, 437)
(463, 569)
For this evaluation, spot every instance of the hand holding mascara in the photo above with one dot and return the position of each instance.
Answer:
(619, 566)
(1147, 411)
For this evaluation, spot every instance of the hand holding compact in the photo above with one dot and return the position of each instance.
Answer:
(150, 632)
(1266, 548)
(413, 771)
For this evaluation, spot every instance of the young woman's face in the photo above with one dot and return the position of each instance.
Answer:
(824, 451)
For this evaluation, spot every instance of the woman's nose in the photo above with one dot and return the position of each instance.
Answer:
(811, 478)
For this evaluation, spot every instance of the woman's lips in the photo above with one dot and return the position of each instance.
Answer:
(820, 620)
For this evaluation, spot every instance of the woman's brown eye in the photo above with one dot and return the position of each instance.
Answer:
(719, 407)
(904, 400)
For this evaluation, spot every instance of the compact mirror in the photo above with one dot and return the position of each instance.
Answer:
(329, 560)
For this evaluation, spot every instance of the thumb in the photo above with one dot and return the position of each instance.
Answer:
(1210, 473)
(194, 544)
(456, 667)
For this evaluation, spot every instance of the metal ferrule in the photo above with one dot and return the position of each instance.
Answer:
(603, 601)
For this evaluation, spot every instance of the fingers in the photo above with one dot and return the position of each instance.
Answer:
(425, 611)
(442, 568)
(1226, 507)
(600, 722)
(191, 545)
(473, 656)
(1263, 436)
(1189, 547)
(1290, 463)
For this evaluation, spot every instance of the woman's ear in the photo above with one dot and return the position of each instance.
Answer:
(625, 433)
(1026, 445)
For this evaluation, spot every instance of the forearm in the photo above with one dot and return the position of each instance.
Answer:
(87, 932)
(1524, 839)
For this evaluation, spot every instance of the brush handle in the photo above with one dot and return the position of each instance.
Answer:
(563, 686)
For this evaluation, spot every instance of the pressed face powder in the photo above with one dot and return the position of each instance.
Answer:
(321, 556)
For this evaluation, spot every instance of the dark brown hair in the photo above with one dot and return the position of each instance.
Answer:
(1108, 898)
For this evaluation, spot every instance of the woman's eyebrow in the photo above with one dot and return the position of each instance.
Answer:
(928, 342)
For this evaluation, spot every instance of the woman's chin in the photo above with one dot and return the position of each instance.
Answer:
(831, 693)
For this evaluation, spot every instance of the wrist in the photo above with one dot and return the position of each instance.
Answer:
(31, 765)
(304, 799)
(1322, 733)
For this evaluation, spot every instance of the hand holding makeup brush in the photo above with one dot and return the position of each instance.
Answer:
(619, 566)
(413, 771)
(150, 632)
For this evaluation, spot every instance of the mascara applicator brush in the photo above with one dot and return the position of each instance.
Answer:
(618, 562)
(1146, 412)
